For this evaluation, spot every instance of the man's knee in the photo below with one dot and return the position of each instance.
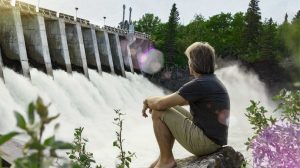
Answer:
(156, 114)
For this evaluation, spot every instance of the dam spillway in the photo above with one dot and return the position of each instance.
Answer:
(49, 40)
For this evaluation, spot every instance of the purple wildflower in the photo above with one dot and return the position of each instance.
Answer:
(278, 146)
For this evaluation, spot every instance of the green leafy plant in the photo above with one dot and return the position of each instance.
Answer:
(124, 156)
(275, 143)
(37, 153)
(289, 105)
(78, 155)
(257, 118)
(245, 164)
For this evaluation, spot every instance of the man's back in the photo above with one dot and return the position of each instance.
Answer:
(209, 106)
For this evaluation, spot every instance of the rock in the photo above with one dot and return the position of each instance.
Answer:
(226, 157)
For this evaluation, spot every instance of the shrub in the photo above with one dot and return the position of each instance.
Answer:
(78, 155)
(125, 157)
(37, 153)
(289, 105)
(276, 142)
(257, 118)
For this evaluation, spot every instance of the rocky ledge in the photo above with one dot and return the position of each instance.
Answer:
(226, 157)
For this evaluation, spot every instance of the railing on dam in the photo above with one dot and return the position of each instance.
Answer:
(25, 7)
(47, 12)
(66, 17)
(83, 21)
(46, 39)
(142, 35)
(116, 30)
(125, 32)
(5, 3)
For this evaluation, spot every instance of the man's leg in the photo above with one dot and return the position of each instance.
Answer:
(165, 141)
(156, 161)
(184, 112)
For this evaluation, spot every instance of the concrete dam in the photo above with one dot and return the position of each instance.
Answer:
(48, 40)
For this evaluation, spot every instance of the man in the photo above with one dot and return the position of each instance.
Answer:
(204, 129)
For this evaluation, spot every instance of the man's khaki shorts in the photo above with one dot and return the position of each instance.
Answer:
(191, 137)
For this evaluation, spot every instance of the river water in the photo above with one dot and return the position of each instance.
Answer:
(91, 104)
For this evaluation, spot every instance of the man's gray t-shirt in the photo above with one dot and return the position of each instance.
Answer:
(209, 106)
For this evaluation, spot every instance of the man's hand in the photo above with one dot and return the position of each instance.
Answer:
(161, 103)
(145, 107)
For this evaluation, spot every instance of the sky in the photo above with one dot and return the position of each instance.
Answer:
(95, 10)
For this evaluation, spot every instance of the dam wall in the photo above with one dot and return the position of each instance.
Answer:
(36, 42)
(76, 48)
(58, 45)
(116, 53)
(105, 51)
(12, 42)
(47, 40)
(91, 48)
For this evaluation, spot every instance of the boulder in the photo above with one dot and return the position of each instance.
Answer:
(225, 157)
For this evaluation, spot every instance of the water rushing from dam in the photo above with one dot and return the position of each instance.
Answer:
(90, 104)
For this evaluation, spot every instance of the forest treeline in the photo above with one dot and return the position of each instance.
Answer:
(243, 36)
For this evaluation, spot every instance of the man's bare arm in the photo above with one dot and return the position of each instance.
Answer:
(165, 102)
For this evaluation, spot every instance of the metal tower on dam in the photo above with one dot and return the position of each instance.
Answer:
(48, 40)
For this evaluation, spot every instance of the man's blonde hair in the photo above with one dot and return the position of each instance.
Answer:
(202, 57)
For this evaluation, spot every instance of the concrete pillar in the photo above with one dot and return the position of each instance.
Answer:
(36, 42)
(1, 66)
(117, 53)
(125, 47)
(58, 46)
(12, 41)
(130, 57)
(91, 48)
(136, 50)
(108, 47)
(105, 51)
(76, 48)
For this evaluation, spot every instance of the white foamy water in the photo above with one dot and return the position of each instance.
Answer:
(91, 104)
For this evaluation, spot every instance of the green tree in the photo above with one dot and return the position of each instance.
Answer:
(292, 39)
(286, 19)
(268, 44)
(181, 45)
(196, 30)
(252, 29)
(281, 35)
(199, 17)
(171, 35)
(158, 36)
(219, 34)
(148, 23)
(237, 25)
(296, 18)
